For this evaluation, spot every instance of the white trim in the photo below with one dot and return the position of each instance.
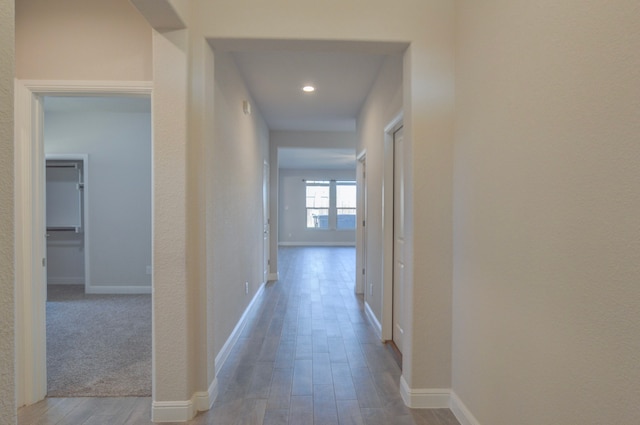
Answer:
(377, 327)
(31, 378)
(88, 88)
(222, 356)
(424, 398)
(316, 243)
(461, 412)
(173, 411)
(387, 227)
(75, 280)
(118, 289)
(361, 230)
(274, 276)
(183, 411)
(204, 400)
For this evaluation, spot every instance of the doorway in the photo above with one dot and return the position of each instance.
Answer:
(361, 243)
(393, 263)
(398, 240)
(31, 223)
(266, 221)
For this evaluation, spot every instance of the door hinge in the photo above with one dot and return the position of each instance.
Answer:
(362, 223)
(44, 262)
(363, 271)
(268, 262)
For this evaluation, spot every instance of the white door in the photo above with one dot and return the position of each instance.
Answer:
(362, 222)
(398, 239)
(265, 220)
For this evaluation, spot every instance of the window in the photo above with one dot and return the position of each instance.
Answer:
(330, 204)
(318, 202)
(346, 204)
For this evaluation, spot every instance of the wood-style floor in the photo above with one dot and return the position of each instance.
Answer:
(307, 356)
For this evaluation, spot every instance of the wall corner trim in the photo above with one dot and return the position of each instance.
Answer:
(274, 276)
(204, 400)
(235, 334)
(173, 411)
(377, 327)
(425, 398)
(461, 412)
(183, 411)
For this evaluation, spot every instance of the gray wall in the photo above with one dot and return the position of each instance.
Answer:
(292, 226)
(116, 134)
(7, 292)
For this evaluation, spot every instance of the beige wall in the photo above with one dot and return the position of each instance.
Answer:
(7, 292)
(240, 147)
(547, 240)
(81, 40)
(383, 104)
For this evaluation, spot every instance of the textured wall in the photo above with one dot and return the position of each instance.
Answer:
(7, 340)
(239, 150)
(81, 40)
(547, 236)
(383, 103)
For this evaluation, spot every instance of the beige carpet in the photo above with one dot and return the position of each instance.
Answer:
(97, 345)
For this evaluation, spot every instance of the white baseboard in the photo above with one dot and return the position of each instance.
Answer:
(173, 411)
(273, 276)
(377, 327)
(233, 338)
(317, 243)
(425, 398)
(76, 280)
(183, 411)
(204, 400)
(461, 412)
(120, 289)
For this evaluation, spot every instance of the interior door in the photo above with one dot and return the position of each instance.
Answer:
(265, 220)
(398, 239)
(362, 221)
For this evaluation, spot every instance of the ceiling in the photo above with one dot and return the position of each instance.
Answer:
(320, 159)
(342, 81)
(342, 73)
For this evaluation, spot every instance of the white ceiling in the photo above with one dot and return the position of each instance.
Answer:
(342, 81)
(342, 73)
(320, 159)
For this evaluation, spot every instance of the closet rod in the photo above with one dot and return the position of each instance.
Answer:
(62, 165)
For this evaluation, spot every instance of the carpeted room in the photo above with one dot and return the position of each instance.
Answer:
(97, 345)
(98, 209)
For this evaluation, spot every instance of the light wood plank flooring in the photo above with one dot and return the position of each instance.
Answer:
(307, 356)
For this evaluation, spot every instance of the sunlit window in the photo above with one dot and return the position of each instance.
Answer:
(346, 204)
(318, 203)
(330, 204)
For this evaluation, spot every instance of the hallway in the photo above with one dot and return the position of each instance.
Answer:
(306, 356)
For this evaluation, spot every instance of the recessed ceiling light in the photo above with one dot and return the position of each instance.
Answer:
(308, 89)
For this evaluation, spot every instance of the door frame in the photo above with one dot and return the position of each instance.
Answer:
(266, 222)
(387, 226)
(30, 223)
(361, 229)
